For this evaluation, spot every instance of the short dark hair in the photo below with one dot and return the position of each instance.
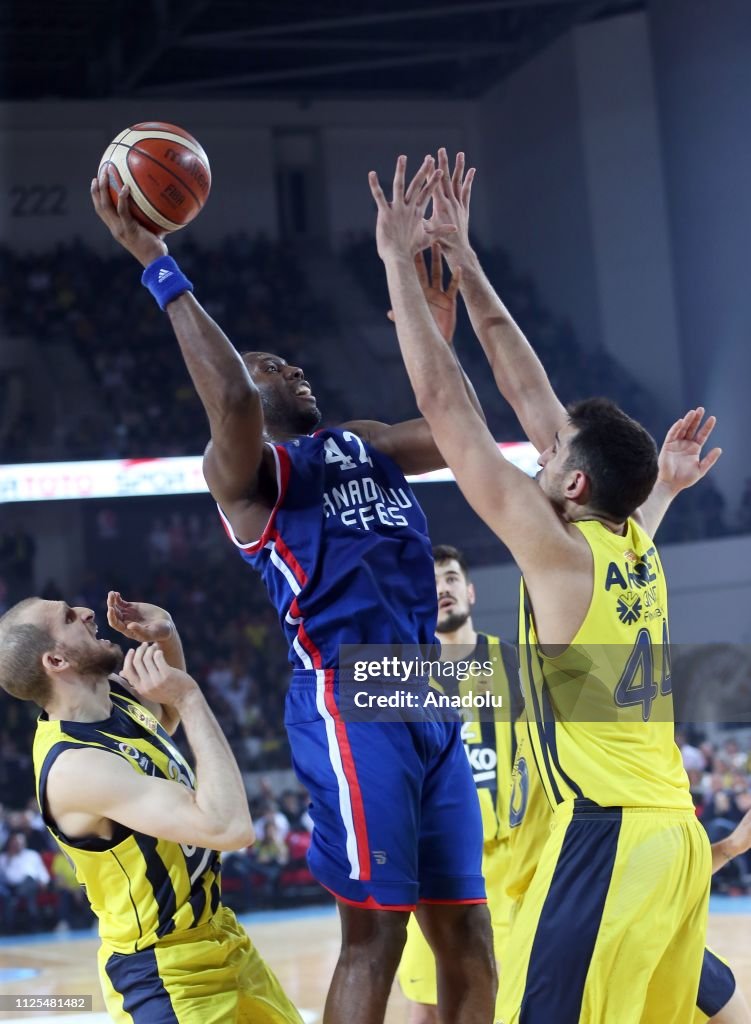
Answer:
(22, 646)
(618, 455)
(447, 553)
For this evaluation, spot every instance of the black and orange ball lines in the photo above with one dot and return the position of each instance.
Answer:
(167, 170)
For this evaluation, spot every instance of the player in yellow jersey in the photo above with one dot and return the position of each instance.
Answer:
(612, 927)
(718, 1000)
(489, 743)
(124, 805)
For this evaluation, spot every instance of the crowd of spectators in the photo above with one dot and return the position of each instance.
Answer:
(255, 289)
(720, 778)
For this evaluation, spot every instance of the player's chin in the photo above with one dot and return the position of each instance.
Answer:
(308, 415)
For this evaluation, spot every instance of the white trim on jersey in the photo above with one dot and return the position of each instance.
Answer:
(202, 866)
(248, 545)
(335, 757)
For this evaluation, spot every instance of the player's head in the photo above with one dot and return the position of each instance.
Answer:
(288, 401)
(48, 648)
(455, 593)
(601, 461)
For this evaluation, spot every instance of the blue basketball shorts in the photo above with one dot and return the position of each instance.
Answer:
(395, 809)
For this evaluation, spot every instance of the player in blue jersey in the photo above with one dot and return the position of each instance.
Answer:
(331, 524)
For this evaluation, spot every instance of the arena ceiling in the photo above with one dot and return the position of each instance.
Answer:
(276, 48)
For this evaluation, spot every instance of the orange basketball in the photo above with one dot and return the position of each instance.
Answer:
(167, 171)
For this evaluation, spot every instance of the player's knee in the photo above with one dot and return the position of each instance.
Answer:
(375, 936)
(460, 933)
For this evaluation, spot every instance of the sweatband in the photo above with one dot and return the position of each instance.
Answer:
(165, 280)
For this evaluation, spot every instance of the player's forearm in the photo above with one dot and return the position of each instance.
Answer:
(220, 792)
(215, 367)
(518, 373)
(172, 647)
(724, 851)
(469, 388)
(431, 365)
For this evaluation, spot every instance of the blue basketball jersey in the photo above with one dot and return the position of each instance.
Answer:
(345, 554)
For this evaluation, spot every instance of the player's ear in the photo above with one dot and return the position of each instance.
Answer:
(577, 486)
(471, 596)
(55, 661)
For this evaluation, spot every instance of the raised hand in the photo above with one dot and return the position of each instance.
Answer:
(401, 228)
(137, 620)
(680, 464)
(451, 204)
(123, 226)
(442, 302)
(153, 679)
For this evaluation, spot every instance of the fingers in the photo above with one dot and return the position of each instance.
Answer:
(377, 191)
(443, 164)
(454, 284)
(465, 193)
(427, 191)
(439, 231)
(456, 177)
(703, 433)
(419, 180)
(436, 267)
(397, 194)
(709, 460)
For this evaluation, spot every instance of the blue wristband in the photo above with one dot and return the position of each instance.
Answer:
(165, 280)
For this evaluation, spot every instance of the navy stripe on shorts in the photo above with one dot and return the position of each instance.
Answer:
(136, 977)
(716, 985)
(561, 954)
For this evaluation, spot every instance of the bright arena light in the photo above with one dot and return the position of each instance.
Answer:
(148, 478)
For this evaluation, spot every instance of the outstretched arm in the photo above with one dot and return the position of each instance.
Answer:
(509, 502)
(232, 402)
(680, 465)
(518, 373)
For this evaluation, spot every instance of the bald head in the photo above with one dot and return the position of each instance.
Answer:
(25, 638)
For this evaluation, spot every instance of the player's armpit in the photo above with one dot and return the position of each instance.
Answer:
(246, 507)
(102, 784)
(410, 443)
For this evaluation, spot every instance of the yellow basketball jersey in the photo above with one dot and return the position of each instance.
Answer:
(488, 734)
(141, 889)
(530, 817)
(601, 713)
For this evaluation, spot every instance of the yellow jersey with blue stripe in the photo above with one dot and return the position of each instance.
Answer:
(141, 889)
(488, 733)
(601, 713)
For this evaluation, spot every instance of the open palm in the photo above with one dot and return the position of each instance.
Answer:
(680, 462)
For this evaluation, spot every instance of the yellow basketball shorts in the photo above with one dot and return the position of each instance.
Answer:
(209, 975)
(613, 926)
(417, 972)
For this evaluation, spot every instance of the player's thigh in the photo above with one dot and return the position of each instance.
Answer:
(450, 830)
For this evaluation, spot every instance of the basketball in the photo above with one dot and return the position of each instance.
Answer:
(167, 171)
